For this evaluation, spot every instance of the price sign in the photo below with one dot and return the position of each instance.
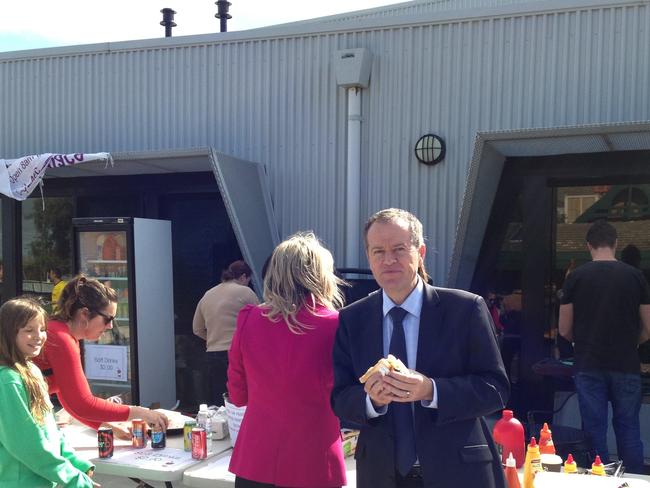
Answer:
(105, 362)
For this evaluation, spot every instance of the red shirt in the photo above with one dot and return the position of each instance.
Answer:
(61, 356)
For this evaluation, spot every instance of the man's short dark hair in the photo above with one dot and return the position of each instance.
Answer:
(602, 234)
(56, 272)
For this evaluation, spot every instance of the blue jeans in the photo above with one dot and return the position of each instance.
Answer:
(597, 388)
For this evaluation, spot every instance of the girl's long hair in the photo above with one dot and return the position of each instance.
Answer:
(300, 274)
(15, 314)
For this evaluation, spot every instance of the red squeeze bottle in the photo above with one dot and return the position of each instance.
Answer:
(512, 478)
(508, 435)
(546, 441)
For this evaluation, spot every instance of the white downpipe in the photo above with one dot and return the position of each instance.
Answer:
(353, 188)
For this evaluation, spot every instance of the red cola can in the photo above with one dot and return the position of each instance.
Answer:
(199, 443)
(105, 442)
(139, 433)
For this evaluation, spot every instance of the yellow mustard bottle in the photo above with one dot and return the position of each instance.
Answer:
(532, 464)
(598, 468)
(570, 466)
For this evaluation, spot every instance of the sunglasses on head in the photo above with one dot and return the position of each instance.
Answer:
(107, 318)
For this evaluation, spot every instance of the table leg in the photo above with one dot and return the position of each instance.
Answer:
(144, 484)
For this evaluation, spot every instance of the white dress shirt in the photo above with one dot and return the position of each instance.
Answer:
(411, 323)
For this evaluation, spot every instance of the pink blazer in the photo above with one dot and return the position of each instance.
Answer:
(289, 435)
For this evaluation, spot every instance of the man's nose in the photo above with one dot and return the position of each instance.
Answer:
(389, 257)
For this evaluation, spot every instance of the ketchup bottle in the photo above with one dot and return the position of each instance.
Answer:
(508, 435)
(546, 445)
(512, 477)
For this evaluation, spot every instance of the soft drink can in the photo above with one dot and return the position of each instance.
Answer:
(187, 434)
(158, 438)
(199, 443)
(105, 442)
(139, 432)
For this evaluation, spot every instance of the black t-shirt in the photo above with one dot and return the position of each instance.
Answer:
(606, 296)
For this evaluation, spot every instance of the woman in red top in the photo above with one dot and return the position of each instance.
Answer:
(86, 310)
(280, 366)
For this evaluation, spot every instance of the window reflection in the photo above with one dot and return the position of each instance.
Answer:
(46, 243)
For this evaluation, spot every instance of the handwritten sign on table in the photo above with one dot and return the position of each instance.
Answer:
(168, 459)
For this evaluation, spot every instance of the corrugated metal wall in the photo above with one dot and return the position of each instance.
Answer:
(276, 101)
(421, 7)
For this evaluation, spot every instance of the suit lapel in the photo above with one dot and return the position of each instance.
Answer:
(374, 329)
(371, 335)
(430, 322)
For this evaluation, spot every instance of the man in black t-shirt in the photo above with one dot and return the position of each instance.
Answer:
(605, 312)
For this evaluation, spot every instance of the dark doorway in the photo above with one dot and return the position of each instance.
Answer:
(529, 243)
(204, 244)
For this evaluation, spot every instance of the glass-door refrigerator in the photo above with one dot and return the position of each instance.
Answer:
(134, 360)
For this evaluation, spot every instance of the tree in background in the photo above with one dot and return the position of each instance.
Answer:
(50, 243)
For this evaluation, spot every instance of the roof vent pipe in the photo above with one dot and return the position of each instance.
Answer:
(222, 14)
(168, 21)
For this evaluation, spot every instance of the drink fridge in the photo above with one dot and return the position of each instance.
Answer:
(135, 360)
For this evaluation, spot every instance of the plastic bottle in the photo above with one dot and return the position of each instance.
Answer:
(546, 445)
(570, 466)
(508, 435)
(512, 477)
(533, 463)
(598, 468)
(204, 420)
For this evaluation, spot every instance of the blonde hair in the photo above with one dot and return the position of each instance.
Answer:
(413, 225)
(15, 314)
(300, 274)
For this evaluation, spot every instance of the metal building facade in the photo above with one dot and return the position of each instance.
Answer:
(270, 95)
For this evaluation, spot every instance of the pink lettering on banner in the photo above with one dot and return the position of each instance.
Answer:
(58, 160)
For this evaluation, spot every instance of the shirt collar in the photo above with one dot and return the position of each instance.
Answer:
(412, 304)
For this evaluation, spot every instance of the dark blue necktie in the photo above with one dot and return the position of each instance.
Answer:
(404, 430)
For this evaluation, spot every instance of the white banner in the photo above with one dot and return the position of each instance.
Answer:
(19, 177)
(105, 362)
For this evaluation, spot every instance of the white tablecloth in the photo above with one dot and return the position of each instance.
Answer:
(148, 464)
(214, 473)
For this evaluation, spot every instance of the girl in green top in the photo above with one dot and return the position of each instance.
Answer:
(33, 452)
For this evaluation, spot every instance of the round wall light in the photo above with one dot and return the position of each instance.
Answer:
(430, 149)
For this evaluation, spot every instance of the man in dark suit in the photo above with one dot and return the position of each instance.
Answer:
(423, 427)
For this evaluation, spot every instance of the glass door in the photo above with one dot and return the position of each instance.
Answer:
(626, 207)
(103, 255)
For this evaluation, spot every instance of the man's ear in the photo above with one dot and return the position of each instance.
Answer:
(422, 251)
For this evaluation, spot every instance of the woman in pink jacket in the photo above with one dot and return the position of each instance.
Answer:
(280, 366)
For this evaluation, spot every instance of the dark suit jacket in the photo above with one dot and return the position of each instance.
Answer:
(457, 347)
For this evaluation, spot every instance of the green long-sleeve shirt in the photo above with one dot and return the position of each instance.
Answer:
(33, 455)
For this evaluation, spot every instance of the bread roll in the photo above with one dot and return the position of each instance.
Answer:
(384, 366)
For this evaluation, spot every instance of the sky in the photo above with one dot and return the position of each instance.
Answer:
(31, 24)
